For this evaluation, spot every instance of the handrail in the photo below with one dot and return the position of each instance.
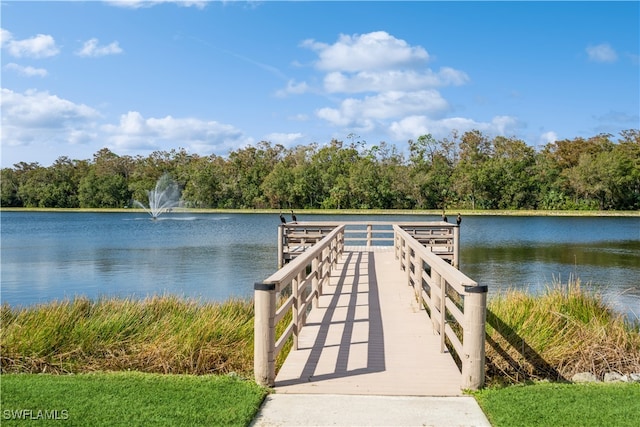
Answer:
(440, 237)
(450, 297)
(311, 269)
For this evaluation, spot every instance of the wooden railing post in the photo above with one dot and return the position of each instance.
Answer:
(417, 283)
(315, 282)
(395, 242)
(369, 234)
(264, 365)
(295, 316)
(280, 246)
(443, 313)
(456, 247)
(475, 313)
(435, 302)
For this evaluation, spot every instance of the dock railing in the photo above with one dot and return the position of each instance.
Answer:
(294, 289)
(439, 237)
(428, 253)
(456, 304)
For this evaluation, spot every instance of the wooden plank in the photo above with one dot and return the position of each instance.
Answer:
(369, 336)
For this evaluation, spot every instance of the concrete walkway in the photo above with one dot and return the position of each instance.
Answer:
(353, 411)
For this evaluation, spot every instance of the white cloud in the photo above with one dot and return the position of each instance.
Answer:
(293, 88)
(90, 48)
(386, 105)
(39, 46)
(299, 117)
(391, 76)
(602, 53)
(286, 139)
(5, 36)
(137, 4)
(373, 51)
(35, 116)
(414, 126)
(548, 137)
(377, 81)
(26, 71)
(134, 132)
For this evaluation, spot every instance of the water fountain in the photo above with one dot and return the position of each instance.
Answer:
(163, 197)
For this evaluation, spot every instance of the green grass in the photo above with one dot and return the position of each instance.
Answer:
(554, 404)
(129, 399)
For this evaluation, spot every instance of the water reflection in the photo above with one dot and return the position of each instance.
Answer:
(216, 256)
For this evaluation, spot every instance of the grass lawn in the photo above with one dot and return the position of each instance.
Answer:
(137, 399)
(554, 404)
(128, 399)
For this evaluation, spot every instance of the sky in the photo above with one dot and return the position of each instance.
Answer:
(212, 77)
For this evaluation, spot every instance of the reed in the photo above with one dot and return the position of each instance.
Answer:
(550, 336)
(555, 335)
(160, 335)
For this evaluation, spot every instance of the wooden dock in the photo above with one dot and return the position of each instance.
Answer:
(371, 319)
(368, 335)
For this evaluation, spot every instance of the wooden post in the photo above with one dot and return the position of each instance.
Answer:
(325, 265)
(456, 247)
(473, 359)
(435, 299)
(295, 318)
(407, 261)
(443, 313)
(315, 282)
(280, 246)
(369, 234)
(395, 243)
(417, 283)
(264, 365)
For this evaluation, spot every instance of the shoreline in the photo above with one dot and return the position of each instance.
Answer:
(436, 212)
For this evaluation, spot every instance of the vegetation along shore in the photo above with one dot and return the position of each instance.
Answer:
(468, 171)
(165, 360)
(551, 336)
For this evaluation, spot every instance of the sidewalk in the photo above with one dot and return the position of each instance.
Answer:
(288, 410)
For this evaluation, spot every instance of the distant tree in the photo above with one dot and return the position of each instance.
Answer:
(203, 189)
(469, 176)
(9, 185)
(278, 186)
(103, 191)
(508, 175)
(472, 170)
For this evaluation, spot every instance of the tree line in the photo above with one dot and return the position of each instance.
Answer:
(468, 171)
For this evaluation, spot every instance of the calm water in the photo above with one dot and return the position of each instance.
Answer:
(47, 256)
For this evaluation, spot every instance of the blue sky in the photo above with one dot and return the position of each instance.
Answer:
(211, 77)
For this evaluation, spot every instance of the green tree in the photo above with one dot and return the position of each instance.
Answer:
(469, 176)
(508, 175)
(9, 185)
(278, 186)
(203, 189)
(103, 191)
(245, 172)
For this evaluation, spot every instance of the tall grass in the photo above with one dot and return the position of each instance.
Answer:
(550, 336)
(564, 331)
(160, 334)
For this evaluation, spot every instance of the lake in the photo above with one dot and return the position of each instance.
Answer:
(52, 255)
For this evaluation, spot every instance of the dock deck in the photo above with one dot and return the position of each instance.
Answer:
(368, 336)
